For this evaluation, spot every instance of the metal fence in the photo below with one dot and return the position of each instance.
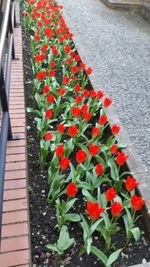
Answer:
(7, 53)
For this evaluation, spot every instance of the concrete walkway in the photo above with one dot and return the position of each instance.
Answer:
(117, 45)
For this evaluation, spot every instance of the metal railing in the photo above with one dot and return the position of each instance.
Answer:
(7, 53)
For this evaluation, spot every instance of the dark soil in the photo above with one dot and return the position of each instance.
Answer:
(43, 219)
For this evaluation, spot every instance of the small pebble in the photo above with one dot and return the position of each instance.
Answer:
(144, 261)
(144, 241)
(48, 254)
(36, 256)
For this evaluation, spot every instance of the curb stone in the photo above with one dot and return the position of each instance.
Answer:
(144, 11)
(142, 265)
(122, 4)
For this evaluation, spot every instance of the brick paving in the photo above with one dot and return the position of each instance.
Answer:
(15, 245)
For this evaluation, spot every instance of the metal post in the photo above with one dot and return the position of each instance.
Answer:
(3, 94)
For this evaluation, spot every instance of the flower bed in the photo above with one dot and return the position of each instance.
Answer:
(88, 200)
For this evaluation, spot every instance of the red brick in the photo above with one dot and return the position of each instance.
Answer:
(20, 135)
(16, 95)
(16, 229)
(11, 205)
(19, 83)
(15, 166)
(17, 101)
(17, 114)
(15, 157)
(15, 216)
(18, 130)
(17, 122)
(14, 184)
(14, 243)
(15, 175)
(14, 258)
(13, 104)
(15, 150)
(17, 111)
(11, 175)
(16, 143)
(15, 194)
(18, 88)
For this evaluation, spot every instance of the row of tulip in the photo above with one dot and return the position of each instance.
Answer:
(84, 163)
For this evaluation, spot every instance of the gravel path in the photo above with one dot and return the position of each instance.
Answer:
(117, 45)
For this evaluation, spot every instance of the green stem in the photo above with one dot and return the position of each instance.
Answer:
(133, 215)
(82, 250)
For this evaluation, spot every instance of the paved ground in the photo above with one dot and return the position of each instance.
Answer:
(117, 45)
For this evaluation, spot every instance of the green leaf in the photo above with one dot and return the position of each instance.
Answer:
(69, 204)
(85, 185)
(113, 257)
(113, 169)
(95, 225)
(118, 199)
(126, 223)
(39, 124)
(89, 242)
(101, 199)
(136, 233)
(110, 141)
(100, 160)
(99, 254)
(73, 217)
(72, 170)
(88, 195)
(38, 99)
(85, 228)
(52, 247)
(64, 241)
(122, 145)
(106, 220)
(83, 128)
(129, 217)
(29, 109)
